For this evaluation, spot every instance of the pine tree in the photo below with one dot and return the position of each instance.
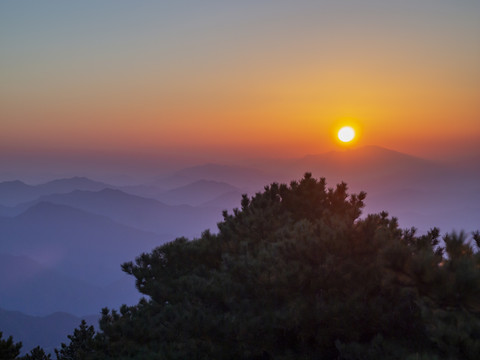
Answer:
(37, 354)
(9, 349)
(296, 273)
(81, 346)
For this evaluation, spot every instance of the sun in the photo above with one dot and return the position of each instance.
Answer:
(346, 134)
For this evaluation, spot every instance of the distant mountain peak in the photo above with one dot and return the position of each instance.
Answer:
(238, 176)
(14, 183)
(378, 150)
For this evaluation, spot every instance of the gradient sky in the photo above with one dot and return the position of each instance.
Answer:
(271, 78)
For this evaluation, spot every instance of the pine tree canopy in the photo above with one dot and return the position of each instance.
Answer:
(298, 273)
(8, 348)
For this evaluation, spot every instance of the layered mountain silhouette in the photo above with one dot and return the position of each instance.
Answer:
(369, 166)
(225, 201)
(198, 192)
(420, 192)
(62, 242)
(238, 176)
(140, 212)
(16, 192)
(45, 331)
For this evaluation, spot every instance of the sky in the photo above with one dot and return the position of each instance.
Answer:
(237, 78)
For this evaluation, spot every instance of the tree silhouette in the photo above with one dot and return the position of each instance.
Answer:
(37, 354)
(81, 344)
(297, 273)
(9, 349)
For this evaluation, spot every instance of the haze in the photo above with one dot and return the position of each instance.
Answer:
(124, 125)
(248, 78)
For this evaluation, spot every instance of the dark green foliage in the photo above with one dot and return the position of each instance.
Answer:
(81, 344)
(9, 349)
(37, 354)
(296, 274)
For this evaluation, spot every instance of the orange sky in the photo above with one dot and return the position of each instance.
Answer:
(275, 78)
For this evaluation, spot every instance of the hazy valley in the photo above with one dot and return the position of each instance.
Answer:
(63, 241)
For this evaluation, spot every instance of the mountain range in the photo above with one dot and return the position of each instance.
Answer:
(198, 192)
(237, 176)
(136, 211)
(420, 192)
(47, 332)
(62, 242)
(16, 192)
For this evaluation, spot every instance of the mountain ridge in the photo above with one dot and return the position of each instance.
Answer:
(47, 331)
(15, 192)
(146, 214)
(197, 192)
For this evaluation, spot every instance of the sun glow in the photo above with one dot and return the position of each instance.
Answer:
(346, 134)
